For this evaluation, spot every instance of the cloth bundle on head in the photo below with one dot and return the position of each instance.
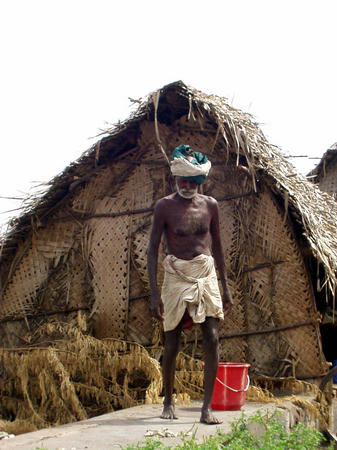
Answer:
(195, 169)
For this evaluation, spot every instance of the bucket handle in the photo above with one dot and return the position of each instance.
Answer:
(235, 390)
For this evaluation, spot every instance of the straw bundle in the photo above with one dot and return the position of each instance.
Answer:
(68, 375)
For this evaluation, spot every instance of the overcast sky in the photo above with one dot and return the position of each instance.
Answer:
(69, 66)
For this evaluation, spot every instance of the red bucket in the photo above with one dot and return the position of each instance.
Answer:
(231, 385)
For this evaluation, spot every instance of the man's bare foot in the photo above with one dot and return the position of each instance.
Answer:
(168, 412)
(208, 418)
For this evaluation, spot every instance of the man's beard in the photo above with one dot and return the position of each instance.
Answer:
(188, 194)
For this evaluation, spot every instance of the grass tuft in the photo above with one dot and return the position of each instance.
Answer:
(261, 431)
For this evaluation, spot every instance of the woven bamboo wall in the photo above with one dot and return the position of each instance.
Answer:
(279, 295)
(36, 258)
(100, 263)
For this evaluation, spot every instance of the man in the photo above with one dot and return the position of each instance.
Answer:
(190, 224)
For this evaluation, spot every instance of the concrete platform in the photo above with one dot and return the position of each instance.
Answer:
(129, 426)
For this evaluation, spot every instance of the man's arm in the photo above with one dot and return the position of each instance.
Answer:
(219, 256)
(158, 224)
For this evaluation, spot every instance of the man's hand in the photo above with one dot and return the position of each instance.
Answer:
(157, 309)
(227, 303)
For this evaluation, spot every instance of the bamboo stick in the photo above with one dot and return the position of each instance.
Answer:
(269, 330)
(45, 313)
(265, 331)
(262, 266)
(77, 216)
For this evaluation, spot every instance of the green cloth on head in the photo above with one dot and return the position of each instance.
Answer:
(198, 158)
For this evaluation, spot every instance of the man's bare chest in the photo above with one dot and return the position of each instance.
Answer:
(190, 221)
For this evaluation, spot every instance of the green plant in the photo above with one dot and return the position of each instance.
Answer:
(260, 432)
(148, 444)
(267, 432)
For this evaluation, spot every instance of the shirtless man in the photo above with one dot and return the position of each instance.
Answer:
(190, 224)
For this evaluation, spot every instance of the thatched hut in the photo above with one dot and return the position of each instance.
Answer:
(77, 254)
(325, 173)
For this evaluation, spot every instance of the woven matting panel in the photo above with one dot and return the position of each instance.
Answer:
(221, 183)
(68, 286)
(55, 241)
(140, 243)
(110, 258)
(188, 136)
(329, 182)
(106, 180)
(110, 265)
(137, 286)
(280, 294)
(31, 266)
(147, 185)
(19, 297)
(149, 181)
(225, 181)
(263, 352)
(140, 325)
(233, 349)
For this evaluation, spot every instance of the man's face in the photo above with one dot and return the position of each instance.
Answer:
(186, 188)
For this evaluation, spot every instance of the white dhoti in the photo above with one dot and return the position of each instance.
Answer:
(190, 285)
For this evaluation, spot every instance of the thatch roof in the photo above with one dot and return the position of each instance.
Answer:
(313, 211)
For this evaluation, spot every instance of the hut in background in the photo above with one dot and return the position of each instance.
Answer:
(325, 173)
(324, 176)
(77, 255)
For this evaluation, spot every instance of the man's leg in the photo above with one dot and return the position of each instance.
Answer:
(171, 348)
(211, 344)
